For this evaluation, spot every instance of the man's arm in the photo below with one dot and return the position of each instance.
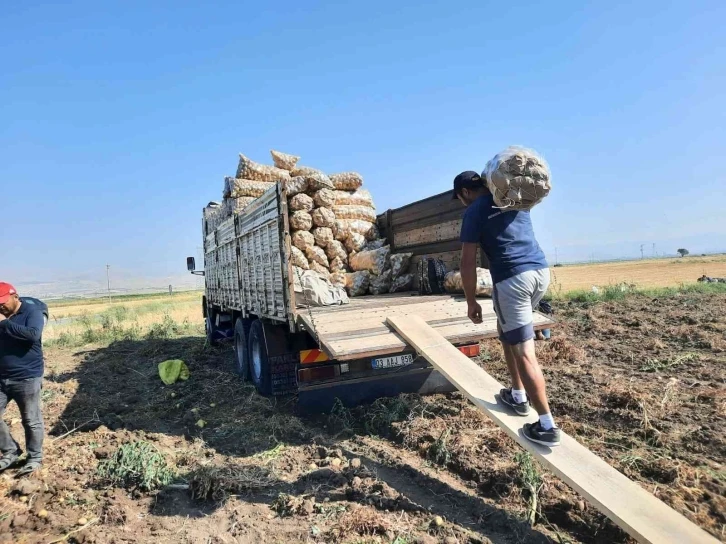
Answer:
(30, 332)
(468, 280)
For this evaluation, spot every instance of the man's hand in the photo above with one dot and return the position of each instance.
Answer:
(2, 317)
(474, 312)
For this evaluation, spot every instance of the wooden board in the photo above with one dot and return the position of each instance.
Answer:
(628, 505)
(358, 330)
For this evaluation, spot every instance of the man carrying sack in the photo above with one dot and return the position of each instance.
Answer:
(521, 276)
(21, 375)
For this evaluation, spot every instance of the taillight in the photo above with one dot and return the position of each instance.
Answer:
(470, 351)
(318, 373)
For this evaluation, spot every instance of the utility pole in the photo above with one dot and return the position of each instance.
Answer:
(556, 260)
(653, 249)
(108, 281)
(641, 251)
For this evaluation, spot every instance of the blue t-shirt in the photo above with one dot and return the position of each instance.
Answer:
(21, 347)
(506, 238)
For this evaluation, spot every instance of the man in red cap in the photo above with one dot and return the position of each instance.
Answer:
(21, 374)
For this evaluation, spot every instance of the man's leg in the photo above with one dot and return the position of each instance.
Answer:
(514, 300)
(27, 395)
(531, 376)
(9, 448)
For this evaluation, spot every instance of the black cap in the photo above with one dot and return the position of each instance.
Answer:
(467, 180)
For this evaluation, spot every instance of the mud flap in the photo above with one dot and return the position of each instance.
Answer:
(283, 361)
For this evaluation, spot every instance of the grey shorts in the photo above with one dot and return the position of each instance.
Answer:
(514, 301)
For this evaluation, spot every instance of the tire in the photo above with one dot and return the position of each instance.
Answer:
(211, 330)
(241, 347)
(259, 363)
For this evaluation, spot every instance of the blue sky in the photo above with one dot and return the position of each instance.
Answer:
(119, 120)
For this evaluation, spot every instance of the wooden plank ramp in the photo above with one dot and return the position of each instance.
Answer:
(628, 505)
(358, 330)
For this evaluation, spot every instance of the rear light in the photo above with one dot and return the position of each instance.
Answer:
(318, 373)
(470, 351)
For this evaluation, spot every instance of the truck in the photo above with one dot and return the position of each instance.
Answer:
(330, 354)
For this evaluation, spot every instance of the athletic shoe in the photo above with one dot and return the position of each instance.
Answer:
(535, 433)
(520, 408)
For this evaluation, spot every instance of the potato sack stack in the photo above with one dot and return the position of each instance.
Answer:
(332, 222)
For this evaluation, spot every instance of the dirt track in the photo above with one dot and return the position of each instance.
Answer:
(640, 382)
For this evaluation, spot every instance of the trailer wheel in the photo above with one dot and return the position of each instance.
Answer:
(211, 330)
(241, 347)
(259, 363)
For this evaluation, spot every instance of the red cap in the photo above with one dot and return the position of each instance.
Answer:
(6, 291)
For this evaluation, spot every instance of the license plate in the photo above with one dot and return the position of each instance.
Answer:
(392, 362)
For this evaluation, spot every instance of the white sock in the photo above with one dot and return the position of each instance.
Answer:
(547, 422)
(519, 395)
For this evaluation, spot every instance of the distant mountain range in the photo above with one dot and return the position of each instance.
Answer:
(121, 283)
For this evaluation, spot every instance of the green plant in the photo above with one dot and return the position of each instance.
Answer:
(438, 452)
(168, 328)
(383, 412)
(654, 365)
(531, 481)
(136, 465)
(340, 417)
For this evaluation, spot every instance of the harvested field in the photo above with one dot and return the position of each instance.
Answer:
(639, 380)
(645, 273)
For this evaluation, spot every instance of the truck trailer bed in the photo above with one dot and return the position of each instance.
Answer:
(359, 330)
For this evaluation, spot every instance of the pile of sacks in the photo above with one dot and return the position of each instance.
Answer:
(332, 221)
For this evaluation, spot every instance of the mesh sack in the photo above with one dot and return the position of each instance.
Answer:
(347, 181)
(298, 258)
(295, 186)
(357, 283)
(301, 202)
(355, 212)
(400, 263)
(320, 269)
(404, 282)
(302, 240)
(236, 205)
(284, 160)
(323, 217)
(324, 198)
(344, 227)
(323, 236)
(484, 285)
(375, 244)
(518, 178)
(337, 279)
(375, 261)
(305, 171)
(249, 169)
(316, 254)
(355, 242)
(319, 181)
(338, 265)
(247, 187)
(301, 220)
(335, 249)
(361, 197)
(380, 285)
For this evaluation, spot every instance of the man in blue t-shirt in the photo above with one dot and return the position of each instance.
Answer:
(521, 276)
(21, 375)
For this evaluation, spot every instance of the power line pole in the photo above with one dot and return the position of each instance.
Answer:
(108, 281)
(641, 251)
(653, 249)
(556, 260)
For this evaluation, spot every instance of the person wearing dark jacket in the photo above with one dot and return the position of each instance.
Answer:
(21, 375)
